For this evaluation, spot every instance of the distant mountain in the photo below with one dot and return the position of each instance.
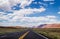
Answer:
(11, 27)
(40, 26)
(51, 26)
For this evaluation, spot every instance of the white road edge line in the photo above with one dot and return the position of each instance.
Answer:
(41, 35)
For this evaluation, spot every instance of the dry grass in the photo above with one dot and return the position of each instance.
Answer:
(9, 30)
(50, 33)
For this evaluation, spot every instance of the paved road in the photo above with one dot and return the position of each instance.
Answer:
(14, 35)
(29, 34)
(33, 35)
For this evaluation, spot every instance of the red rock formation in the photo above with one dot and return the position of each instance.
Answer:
(52, 26)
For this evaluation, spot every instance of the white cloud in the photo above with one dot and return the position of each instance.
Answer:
(23, 12)
(28, 21)
(58, 12)
(51, 2)
(2, 16)
(7, 4)
(51, 16)
(25, 3)
(22, 2)
(48, 0)
(17, 17)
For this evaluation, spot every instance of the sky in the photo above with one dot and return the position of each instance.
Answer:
(29, 13)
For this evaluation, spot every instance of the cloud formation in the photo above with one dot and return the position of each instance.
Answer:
(17, 17)
(48, 0)
(7, 4)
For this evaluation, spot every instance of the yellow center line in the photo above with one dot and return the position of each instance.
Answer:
(21, 37)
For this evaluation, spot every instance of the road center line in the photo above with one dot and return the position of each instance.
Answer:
(21, 37)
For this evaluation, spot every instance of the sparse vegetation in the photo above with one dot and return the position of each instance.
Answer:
(50, 33)
(9, 30)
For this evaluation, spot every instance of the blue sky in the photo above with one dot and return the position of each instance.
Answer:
(28, 13)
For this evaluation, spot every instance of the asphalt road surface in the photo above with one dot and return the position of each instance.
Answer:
(29, 34)
(33, 35)
(14, 35)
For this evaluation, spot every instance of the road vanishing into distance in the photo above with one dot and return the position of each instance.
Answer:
(28, 34)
